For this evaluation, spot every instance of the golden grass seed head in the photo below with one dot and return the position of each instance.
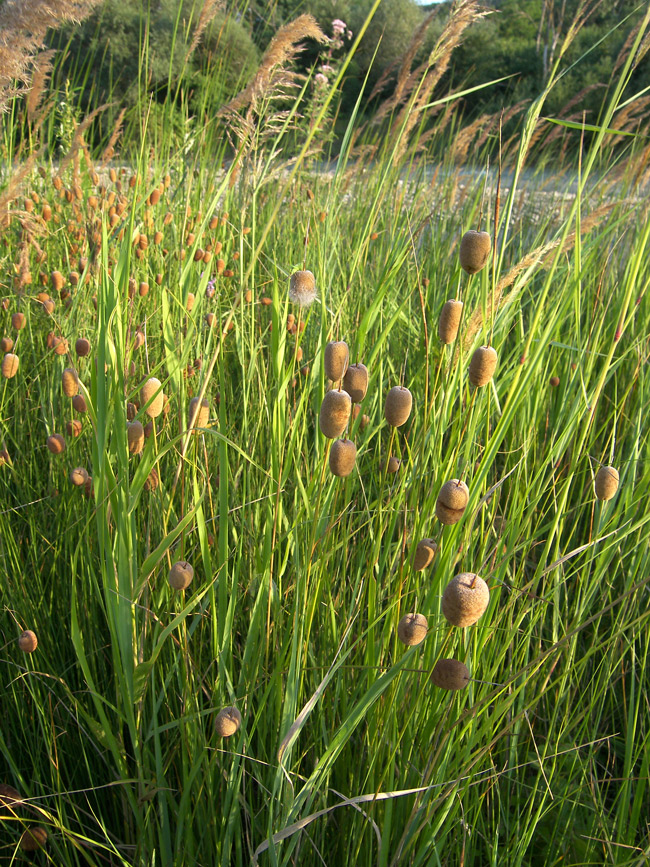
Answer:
(355, 381)
(397, 408)
(474, 251)
(336, 359)
(152, 389)
(343, 455)
(450, 674)
(449, 321)
(482, 365)
(33, 839)
(18, 321)
(465, 599)
(302, 288)
(27, 641)
(6, 344)
(412, 629)
(227, 722)
(78, 476)
(135, 437)
(70, 381)
(79, 403)
(202, 414)
(335, 413)
(424, 554)
(180, 575)
(10, 364)
(56, 444)
(606, 483)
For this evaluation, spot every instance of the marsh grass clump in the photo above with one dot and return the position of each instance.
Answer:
(452, 501)
(397, 408)
(180, 575)
(482, 365)
(474, 251)
(335, 413)
(27, 641)
(227, 722)
(342, 457)
(450, 674)
(10, 364)
(424, 553)
(606, 483)
(355, 381)
(412, 629)
(465, 599)
(302, 288)
(152, 391)
(336, 359)
(449, 321)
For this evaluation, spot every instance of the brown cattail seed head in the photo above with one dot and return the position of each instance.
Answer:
(152, 481)
(78, 476)
(474, 251)
(342, 457)
(135, 437)
(10, 365)
(9, 797)
(152, 387)
(412, 629)
(465, 599)
(6, 344)
(424, 554)
(73, 428)
(393, 462)
(482, 365)
(58, 281)
(190, 301)
(355, 381)
(33, 839)
(227, 722)
(202, 413)
(554, 381)
(28, 641)
(452, 501)
(180, 575)
(606, 483)
(398, 406)
(302, 288)
(336, 359)
(449, 321)
(450, 674)
(56, 444)
(79, 403)
(18, 321)
(82, 346)
(70, 381)
(335, 413)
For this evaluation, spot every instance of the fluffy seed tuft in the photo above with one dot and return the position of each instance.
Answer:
(302, 288)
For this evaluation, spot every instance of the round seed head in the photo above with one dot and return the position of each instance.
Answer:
(6, 344)
(606, 483)
(28, 641)
(56, 444)
(342, 457)
(78, 476)
(474, 251)
(482, 365)
(10, 365)
(412, 629)
(227, 722)
(302, 288)
(450, 674)
(334, 413)
(355, 381)
(18, 321)
(337, 355)
(152, 481)
(424, 554)
(9, 797)
(392, 466)
(33, 839)
(82, 346)
(79, 403)
(135, 437)
(180, 575)
(398, 405)
(70, 381)
(554, 381)
(465, 599)
(202, 413)
(449, 321)
(152, 387)
(58, 281)
(73, 428)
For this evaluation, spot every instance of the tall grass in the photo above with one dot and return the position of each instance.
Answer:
(347, 753)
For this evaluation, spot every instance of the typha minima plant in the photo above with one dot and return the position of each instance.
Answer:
(465, 599)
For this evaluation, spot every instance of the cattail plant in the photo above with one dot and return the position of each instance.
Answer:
(82, 347)
(202, 413)
(180, 575)
(152, 391)
(18, 321)
(302, 288)
(70, 382)
(10, 364)
(474, 251)
(78, 476)
(450, 674)
(335, 413)
(452, 501)
(412, 629)
(79, 403)
(336, 359)
(424, 554)
(342, 457)
(465, 599)
(6, 344)
(33, 839)
(397, 408)
(227, 722)
(56, 444)
(355, 381)
(606, 483)
(135, 437)
(27, 641)
(482, 365)
(449, 321)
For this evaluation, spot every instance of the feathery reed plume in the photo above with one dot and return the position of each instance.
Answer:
(23, 24)
(206, 15)
(282, 49)
(109, 150)
(42, 69)
(78, 142)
